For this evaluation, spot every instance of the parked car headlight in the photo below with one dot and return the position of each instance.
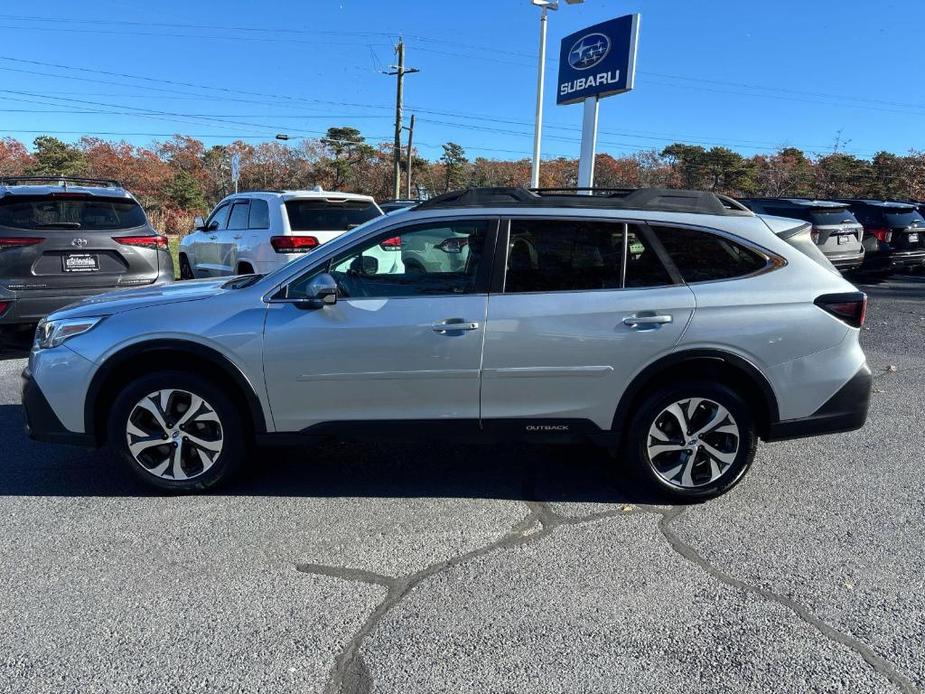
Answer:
(51, 333)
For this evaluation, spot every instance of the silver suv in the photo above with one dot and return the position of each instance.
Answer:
(674, 327)
(65, 238)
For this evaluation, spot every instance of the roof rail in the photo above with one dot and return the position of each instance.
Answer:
(60, 180)
(661, 199)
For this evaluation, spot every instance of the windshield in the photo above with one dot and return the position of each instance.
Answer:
(70, 212)
(323, 215)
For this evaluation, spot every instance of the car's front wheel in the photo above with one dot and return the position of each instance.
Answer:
(177, 431)
(694, 440)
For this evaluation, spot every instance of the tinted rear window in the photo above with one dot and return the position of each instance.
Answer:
(321, 215)
(702, 257)
(831, 216)
(88, 214)
(903, 218)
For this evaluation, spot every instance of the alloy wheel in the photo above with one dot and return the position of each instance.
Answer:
(174, 434)
(692, 443)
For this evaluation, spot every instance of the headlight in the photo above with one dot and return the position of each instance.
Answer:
(51, 333)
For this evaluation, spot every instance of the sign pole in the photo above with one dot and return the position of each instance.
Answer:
(538, 122)
(588, 144)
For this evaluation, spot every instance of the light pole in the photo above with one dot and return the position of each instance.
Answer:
(544, 5)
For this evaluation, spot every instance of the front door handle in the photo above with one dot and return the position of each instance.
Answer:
(655, 321)
(213, 237)
(452, 325)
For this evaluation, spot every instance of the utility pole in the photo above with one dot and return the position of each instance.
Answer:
(399, 71)
(408, 157)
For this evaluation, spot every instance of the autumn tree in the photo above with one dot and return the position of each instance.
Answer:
(15, 159)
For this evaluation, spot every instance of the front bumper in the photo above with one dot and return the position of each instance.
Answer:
(844, 411)
(42, 424)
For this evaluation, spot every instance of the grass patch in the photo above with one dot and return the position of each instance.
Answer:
(174, 245)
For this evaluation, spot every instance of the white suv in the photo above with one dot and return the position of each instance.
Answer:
(258, 232)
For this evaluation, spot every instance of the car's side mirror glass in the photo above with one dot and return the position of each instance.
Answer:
(199, 223)
(321, 291)
(452, 245)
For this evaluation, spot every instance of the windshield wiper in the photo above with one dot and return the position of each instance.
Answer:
(58, 225)
(242, 282)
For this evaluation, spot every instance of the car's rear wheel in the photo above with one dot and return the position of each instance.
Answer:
(177, 431)
(694, 440)
(186, 272)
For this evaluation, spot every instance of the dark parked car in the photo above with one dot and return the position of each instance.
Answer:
(894, 235)
(834, 228)
(392, 205)
(62, 239)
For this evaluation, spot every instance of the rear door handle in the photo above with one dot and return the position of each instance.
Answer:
(453, 324)
(635, 321)
(213, 237)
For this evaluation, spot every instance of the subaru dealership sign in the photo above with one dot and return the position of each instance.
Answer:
(598, 61)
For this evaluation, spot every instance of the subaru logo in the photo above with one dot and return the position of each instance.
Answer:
(79, 243)
(588, 51)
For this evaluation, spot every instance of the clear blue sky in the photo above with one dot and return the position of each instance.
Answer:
(748, 75)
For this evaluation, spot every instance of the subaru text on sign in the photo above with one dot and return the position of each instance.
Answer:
(598, 61)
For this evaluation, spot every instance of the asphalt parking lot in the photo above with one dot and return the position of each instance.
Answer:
(357, 568)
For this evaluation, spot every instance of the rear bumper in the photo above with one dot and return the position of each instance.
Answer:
(844, 411)
(889, 260)
(847, 261)
(42, 424)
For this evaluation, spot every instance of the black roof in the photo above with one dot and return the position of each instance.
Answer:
(661, 199)
(798, 202)
(880, 203)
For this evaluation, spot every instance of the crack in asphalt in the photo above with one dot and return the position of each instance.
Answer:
(350, 675)
(879, 664)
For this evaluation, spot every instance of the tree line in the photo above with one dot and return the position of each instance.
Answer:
(179, 178)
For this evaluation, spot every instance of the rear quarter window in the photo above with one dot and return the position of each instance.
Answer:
(703, 257)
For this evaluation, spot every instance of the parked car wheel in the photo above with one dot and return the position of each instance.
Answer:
(186, 272)
(177, 431)
(693, 440)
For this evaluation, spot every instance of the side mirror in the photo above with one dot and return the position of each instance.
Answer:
(320, 292)
(199, 223)
(454, 244)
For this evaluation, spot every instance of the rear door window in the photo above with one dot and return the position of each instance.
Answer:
(564, 255)
(62, 212)
(238, 217)
(703, 257)
(259, 215)
(324, 215)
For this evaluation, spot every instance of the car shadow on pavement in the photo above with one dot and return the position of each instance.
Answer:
(338, 469)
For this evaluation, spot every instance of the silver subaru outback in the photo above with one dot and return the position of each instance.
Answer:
(675, 328)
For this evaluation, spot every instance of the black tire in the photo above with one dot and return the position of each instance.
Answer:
(700, 484)
(186, 272)
(245, 269)
(229, 431)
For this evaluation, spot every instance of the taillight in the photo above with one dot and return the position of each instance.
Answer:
(882, 233)
(814, 233)
(18, 241)
(4, 305)
(391, 244)
(851, 307)
(293, 244)
(155, 241)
